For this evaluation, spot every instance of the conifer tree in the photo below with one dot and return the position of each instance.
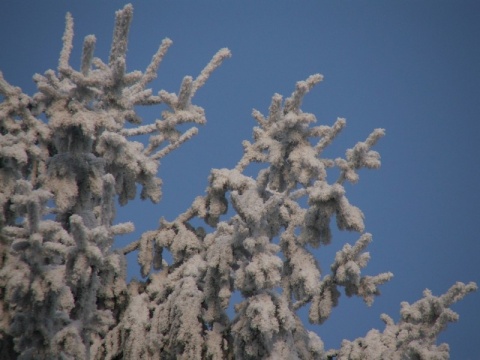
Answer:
(63, 290)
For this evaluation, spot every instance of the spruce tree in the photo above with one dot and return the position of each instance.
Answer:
(67, 155)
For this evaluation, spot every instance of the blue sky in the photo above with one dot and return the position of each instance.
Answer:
(411, 67)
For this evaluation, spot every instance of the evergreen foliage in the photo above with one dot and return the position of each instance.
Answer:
(63, 293)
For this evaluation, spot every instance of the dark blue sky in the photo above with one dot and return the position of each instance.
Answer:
(411, 67)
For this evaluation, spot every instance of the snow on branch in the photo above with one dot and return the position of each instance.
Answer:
(87, 110)
(87, 54)
(360, 156)
(414, 336)
(84, 157)
(346, 272)
(265, 209)
(63, 292)
(294, 102)
(123, 18)
(216, 61)
(67, 43)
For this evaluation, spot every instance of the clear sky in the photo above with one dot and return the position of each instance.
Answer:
(411, 67)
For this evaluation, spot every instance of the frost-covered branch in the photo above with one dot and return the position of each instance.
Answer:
(241, 253)
(414, 336)
(63, 290)
(82, 158)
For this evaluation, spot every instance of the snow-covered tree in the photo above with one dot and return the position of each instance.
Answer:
(66, 157)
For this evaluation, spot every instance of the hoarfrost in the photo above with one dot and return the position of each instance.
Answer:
(63, 293)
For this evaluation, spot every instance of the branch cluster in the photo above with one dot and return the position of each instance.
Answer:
(66, 155)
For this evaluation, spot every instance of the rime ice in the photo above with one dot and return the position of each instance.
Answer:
(63, 293)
